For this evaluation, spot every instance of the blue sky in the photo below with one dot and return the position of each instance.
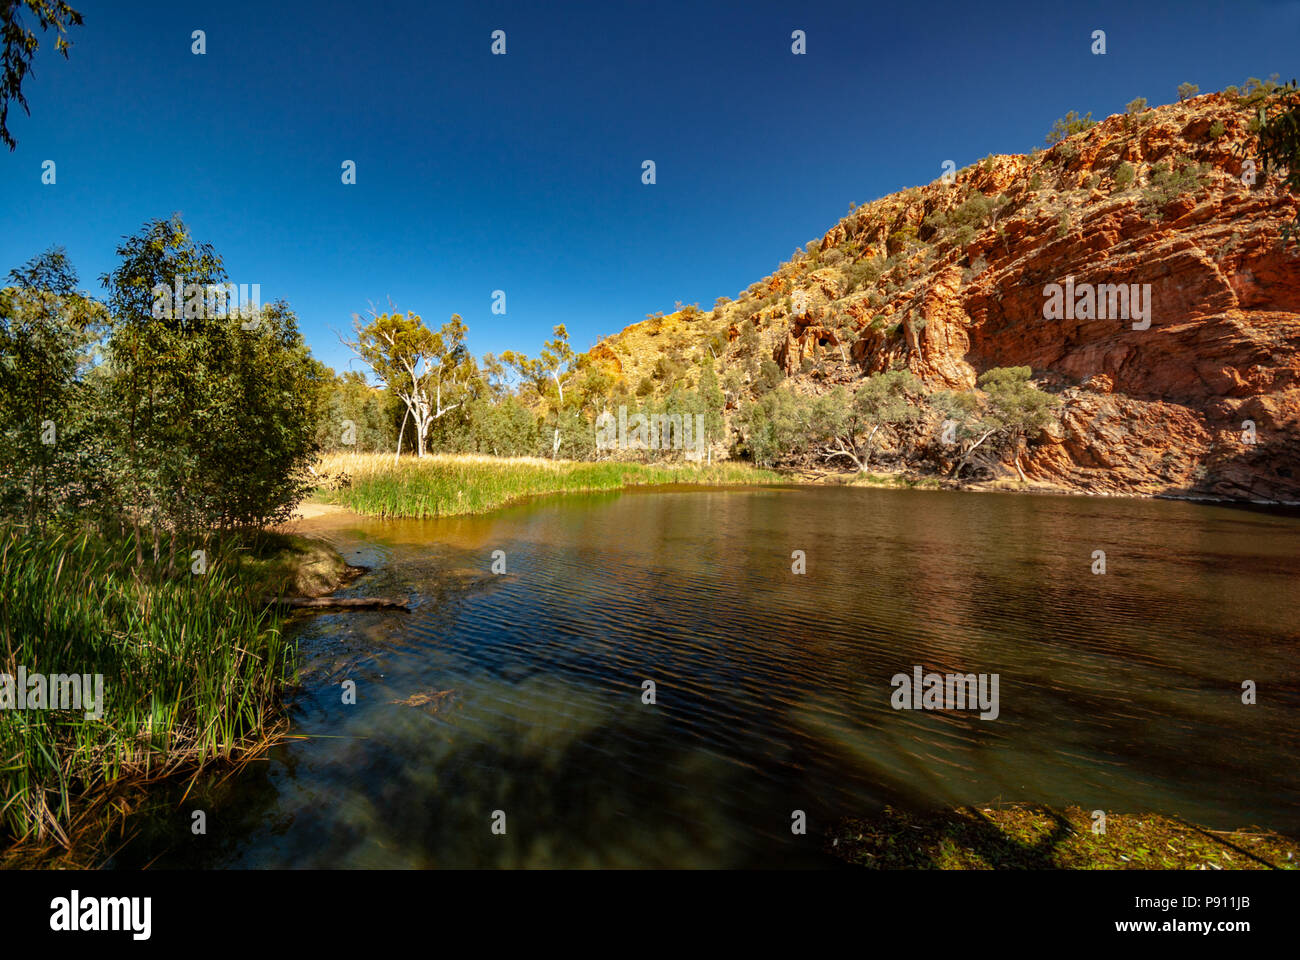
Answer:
(523, 172)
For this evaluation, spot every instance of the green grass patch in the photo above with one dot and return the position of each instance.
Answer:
(439, 486)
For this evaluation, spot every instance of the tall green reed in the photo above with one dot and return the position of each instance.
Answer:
(193, 666)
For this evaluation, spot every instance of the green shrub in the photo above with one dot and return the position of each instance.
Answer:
(769, 375)
(1167, 181)
(1254, 90)
(1187, 90)
(1124, 175)
(901, 238)
(1069, 125)
(863, 272)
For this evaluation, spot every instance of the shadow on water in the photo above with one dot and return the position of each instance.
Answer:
(522, 693)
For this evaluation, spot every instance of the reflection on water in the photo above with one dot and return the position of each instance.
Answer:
(522, 692)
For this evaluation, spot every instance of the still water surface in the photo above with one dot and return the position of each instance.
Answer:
(1120, 691)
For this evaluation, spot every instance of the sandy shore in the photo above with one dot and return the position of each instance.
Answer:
(310, 510)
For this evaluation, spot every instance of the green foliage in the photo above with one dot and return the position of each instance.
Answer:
(1124, 175)
(1217, 130)
(1255, 91)
(429, 371)
(129, 414)
(881, 402)
(1167, 181)
(769, 375)
(978, 429)
(553, 367)
(50, 460)
(213, 412)
(712, 400)
(772, 426)
(1187, 90)
(960, 225)
(1136, 106)
(20, 46)
(976, 211)
(1278, 139)
(192, 667)
(901, 238)
(865, 272)
(1067, 152)
(1068, 126)
(258, 422)
(354, 415)
(1014, 403)
(835, 425)
(1015, 409)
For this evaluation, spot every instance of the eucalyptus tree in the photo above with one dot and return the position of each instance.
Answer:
(20, 46)
(848, 426)
(156, 368)
(1016, 409)
(214, 410)
(48, 334)
(430, 371)
(555, 364)
(995, 422)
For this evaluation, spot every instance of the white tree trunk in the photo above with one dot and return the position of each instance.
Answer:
(400, 433)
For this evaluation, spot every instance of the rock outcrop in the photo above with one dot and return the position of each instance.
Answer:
(1191, 388)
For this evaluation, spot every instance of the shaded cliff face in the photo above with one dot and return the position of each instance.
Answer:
(1192, 386)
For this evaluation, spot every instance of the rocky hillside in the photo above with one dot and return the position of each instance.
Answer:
(951, 279)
